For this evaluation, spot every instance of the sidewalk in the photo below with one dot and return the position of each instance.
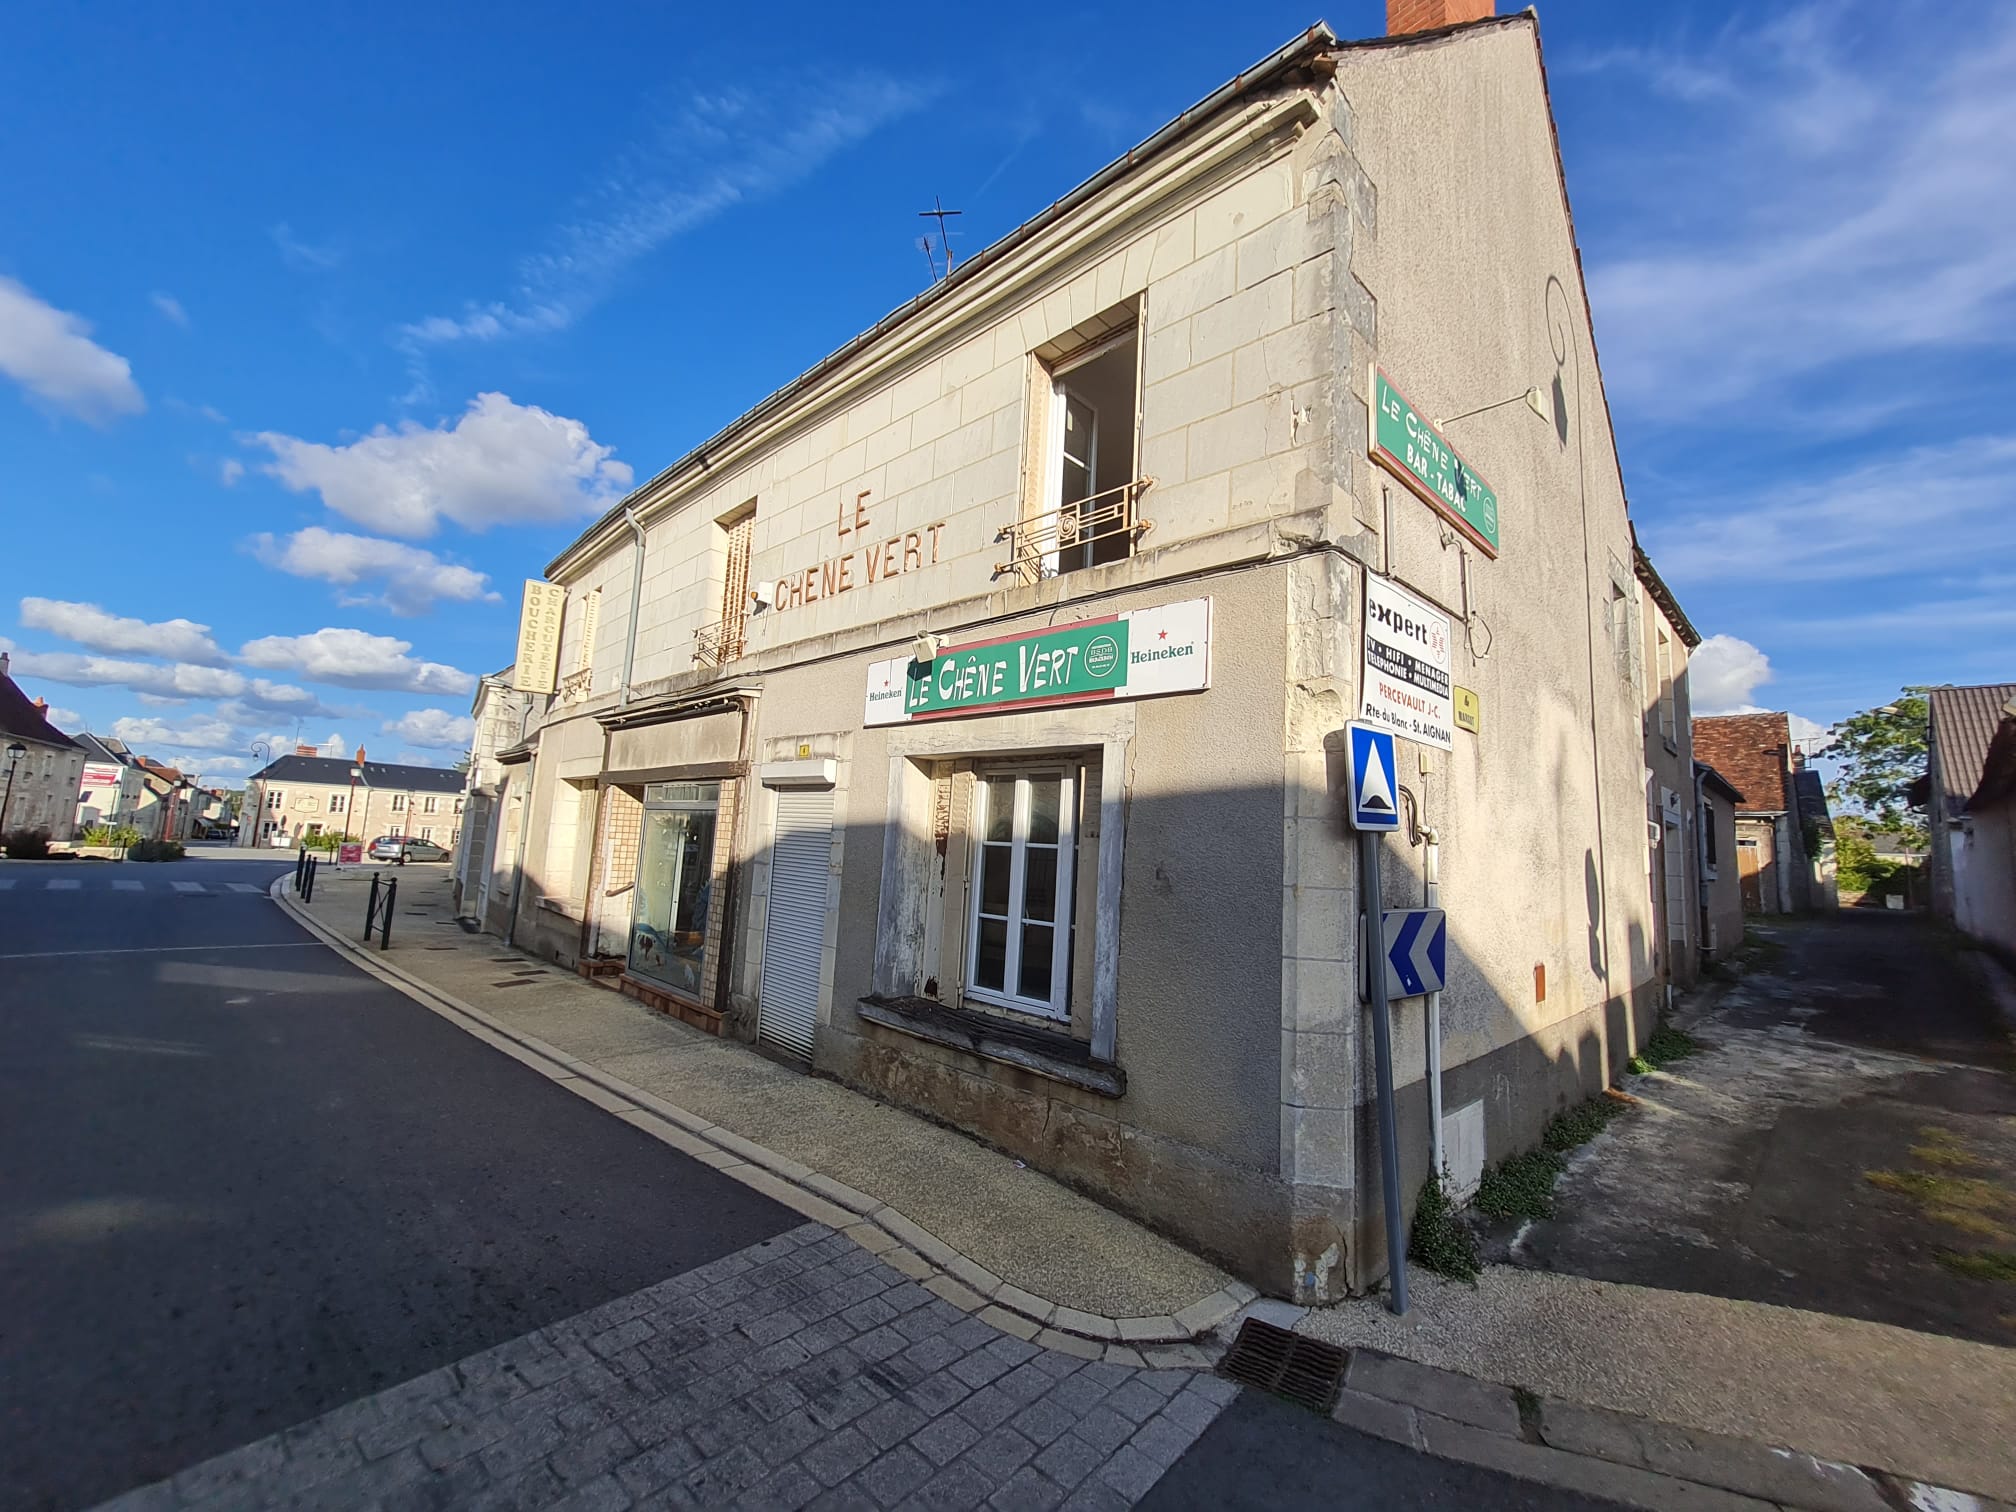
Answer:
(1918, 1406)
(1042, 1256)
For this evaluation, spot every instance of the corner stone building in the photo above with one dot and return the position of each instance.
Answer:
(965, 722)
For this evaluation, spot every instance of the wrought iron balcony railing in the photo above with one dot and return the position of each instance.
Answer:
(719, 642)
(1106, 526)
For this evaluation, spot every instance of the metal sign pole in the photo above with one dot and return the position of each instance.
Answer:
(1382, 1041)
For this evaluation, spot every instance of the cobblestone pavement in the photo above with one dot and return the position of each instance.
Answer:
(799, 1372)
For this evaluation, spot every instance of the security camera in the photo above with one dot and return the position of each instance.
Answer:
(924, 648)
(763, 595)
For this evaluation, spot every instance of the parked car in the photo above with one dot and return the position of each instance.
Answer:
(404, 848)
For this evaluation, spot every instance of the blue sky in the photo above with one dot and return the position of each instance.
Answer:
(316, 340)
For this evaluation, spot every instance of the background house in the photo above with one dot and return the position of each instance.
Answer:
(1784, 837)
(1672, 825)
(111, 789)
(40, 783)
(1717, 802)
(1970, 774)
(294, 798)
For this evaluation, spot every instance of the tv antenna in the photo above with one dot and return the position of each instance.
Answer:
(937, 212)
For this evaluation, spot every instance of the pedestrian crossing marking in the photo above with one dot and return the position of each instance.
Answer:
(127, 886)
(187, 887)
(244, 887)
(5, 883)
(65, 886)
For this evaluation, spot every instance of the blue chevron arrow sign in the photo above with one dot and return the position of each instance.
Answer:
(1417, 950)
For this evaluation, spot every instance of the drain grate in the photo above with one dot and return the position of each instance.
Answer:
(1304, 1370)
(514, 982)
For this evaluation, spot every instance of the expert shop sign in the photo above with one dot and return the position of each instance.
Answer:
(1406, 680)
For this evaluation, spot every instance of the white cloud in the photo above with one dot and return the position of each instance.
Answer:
(1828, 155)
(1723, 672)
(89, 625)
(160, 700)
(719, 149)
(434, 729)
(50, 353)
(302, 256)
(197, 733)
(229, 471)
(172, 680)
(167, 684)
(414, 579)
(356, 659)
(1944, 507)
(171, 307)
(69, 721)
(500, 463)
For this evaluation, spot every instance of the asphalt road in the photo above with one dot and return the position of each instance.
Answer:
(1266, 1455)
(1860, 1053)
(245, 1183)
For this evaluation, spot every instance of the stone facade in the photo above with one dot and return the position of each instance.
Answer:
(1196, 1058)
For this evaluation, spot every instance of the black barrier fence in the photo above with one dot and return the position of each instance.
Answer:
(378, 910)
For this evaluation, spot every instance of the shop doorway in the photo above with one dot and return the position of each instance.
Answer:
(794, 926)
(675, 877)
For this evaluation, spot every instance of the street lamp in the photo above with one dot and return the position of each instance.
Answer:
(350, 802)
(15, 751)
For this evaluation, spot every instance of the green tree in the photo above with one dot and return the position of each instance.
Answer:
(1880, 753)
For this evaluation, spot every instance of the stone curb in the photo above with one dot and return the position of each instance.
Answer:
(1637, 1461)
(1158, 1341)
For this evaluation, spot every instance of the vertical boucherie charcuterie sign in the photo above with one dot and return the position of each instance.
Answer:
(1414, 452)
(538, 661)
(1135, 654)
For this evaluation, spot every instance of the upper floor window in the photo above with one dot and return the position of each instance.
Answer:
(276, 799)
(735, 534)
(427, 804)
(1084, 508)
(335, 803)
(398, 803)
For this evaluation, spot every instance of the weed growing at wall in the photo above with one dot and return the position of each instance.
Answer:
(1440, 1241)
(1667, 1044)
(1523, 1187)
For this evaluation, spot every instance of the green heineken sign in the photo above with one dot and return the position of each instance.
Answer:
(1415, 452)
(1137, 653)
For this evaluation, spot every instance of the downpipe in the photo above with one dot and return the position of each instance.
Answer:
(636, 594)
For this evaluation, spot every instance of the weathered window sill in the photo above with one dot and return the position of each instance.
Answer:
(1057, 1056)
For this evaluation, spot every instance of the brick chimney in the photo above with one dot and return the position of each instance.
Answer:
(42, 707)
(307, 750)
(5, 657)
(1404, 16)
(360, 756)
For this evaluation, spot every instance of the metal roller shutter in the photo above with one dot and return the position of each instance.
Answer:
(794, 928)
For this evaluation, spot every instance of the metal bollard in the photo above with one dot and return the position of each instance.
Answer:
(300, 865)
(371, 909)
(308, 882)
(385, 927)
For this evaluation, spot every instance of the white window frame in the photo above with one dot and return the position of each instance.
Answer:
(1058, 1006)
(427, 804)
(1669, 724)
(398, 803)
